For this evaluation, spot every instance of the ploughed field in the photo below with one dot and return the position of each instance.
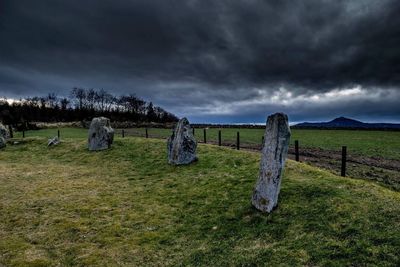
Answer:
(67, 206)
(372, 155)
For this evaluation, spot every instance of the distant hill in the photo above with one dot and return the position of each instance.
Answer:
(346, 123)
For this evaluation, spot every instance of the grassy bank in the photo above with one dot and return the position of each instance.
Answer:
(67, 206)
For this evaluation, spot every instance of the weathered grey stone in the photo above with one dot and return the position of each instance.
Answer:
(3, 142)
(53, 141)
(101, 135)
(274, 152)
(182, 144)
(4, 131)
(4, 135)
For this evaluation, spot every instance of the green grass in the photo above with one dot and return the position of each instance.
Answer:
(49, 133)
(65, 206)
(383, 144)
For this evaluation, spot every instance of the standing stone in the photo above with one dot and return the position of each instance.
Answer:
(4, 131)
(101, 135)
(276, 143)
(3, 142)
(4, 135)
(182, 144)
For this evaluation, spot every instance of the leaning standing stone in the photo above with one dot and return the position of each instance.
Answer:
(276, 143)
(4, 135)
(101, 135)
(182, 144)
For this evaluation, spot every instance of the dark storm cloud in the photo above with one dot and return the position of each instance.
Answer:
(200, 57)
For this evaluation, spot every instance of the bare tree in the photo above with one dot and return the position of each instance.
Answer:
(79, 94)
(64, 103)
(52, 100)
(91, 98)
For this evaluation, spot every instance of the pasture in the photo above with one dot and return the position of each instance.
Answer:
(378, 144)
(66, 206)
(372, 155)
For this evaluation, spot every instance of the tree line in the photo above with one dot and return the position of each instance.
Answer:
(82, 104)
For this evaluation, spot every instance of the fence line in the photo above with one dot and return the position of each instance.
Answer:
(238, 144)
(328, 159)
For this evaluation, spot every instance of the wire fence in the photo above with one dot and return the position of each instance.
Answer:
(339, 161)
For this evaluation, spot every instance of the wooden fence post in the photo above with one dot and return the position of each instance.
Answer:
(11, 131)
(344, 155)
(123, 133)
(296, 149)
(25, 126)
(58, 133)
(219, 138)
(262, 141)
(193, 130)
(147, 133)
(205, 135)
(237, 141)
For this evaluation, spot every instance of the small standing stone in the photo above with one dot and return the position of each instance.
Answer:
(3, 142)
(4, 135)
(4, 131)
(274, 152)
(53, 141)
(182, 144)
(101, 135)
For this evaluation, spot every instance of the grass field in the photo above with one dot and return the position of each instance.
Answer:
(383, 144)
(65, 206)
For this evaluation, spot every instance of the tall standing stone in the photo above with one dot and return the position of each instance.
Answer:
(101, 135)
(274, 152)
(182, 144)
(4, 135)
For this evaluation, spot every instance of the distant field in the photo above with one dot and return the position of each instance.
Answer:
(66, 206)
(48, 133)
(383, 144)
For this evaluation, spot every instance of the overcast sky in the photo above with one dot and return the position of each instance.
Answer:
(212, 61)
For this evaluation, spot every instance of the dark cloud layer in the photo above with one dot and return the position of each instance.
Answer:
(206, 58)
